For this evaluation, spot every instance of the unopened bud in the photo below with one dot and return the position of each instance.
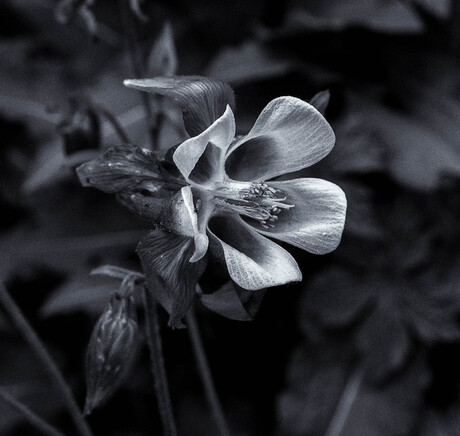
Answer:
(111, 348)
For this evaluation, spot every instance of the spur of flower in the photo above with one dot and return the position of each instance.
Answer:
(230, 199)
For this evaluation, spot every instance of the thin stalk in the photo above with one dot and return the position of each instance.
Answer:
(129, 32)
(31, 417)
(115, 124)
(27, 332)
(205, 374)
(152, 331)
(455, 28)
(345, 404)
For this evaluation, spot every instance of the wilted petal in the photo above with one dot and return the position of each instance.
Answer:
(202, 100)
(168, 271)
(121, 168)
(253, 261)
(316, 221)
(289, 135)
(200, 158)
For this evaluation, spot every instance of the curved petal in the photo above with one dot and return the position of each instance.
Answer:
(202, 100)
(200, 159)
(316, 221)
(253, 261)
(121, 168)
(289, 135)
(181, 218)
(168, 272)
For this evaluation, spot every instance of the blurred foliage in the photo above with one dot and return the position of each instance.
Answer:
(369, 343)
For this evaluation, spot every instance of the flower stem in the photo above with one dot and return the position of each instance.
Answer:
(455, 29)
(30, 416)
(152, 330)
(115, 124)
(345, 404)
(27, 332)
(129, 32)
(205, 374)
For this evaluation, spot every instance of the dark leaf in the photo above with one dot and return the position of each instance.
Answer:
(253, 61)
(316, 377)
(328, 393)
(392, 17)
(202, 100)
(392, 409)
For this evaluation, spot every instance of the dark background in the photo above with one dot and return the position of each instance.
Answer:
(372, 333)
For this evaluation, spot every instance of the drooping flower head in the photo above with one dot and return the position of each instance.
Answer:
(231, 202)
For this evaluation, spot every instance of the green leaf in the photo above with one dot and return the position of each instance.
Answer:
(202, 100)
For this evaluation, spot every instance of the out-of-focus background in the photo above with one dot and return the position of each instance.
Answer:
(369, 342)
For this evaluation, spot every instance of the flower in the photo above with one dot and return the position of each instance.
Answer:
(240, 208)
(230, 200)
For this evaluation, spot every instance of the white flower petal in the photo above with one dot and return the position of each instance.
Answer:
(316, 221)
(289, 135)
(200, 158)
(181, 218)
(253, 261)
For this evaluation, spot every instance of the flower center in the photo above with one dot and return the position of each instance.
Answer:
(258, 201)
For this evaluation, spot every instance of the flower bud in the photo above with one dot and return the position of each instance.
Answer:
(111, 348)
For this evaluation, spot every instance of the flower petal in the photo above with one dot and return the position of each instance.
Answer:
(121, 168)
(181, 218)
(316, 221)
(169, 273)
(200, 158)
(289, 135)
(202, 100)
(253, 261)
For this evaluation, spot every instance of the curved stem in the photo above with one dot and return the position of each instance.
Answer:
(114, 123)
(27, 332)
(129, 33)
(345, 404)
(205, 374)
(152, 331)
(32, 418)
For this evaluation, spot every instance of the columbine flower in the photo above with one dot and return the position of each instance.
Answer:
(232, 203)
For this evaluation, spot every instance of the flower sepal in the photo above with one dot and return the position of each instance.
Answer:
(201, 100)
(122, 168)
(173, 256)
(234, 302)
